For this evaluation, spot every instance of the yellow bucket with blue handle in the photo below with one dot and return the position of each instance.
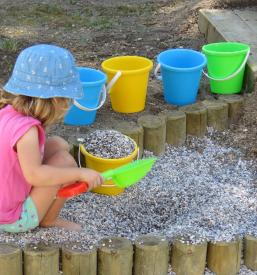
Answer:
(131, 75)
(103, 164)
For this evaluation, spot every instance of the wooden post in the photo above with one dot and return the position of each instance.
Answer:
(175, 127)
(10, 260)
(217, 114)
(196, 119)
(151, 256)
(250, 252)
(115, 256)
(188, 259)
(78, 262)
(235, 106)
(154, 133)
(134, 131)
(224, 258)
(41, 260)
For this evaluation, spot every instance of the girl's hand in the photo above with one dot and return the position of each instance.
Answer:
(91, 177)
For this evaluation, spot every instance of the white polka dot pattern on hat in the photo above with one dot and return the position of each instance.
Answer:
(45, 71)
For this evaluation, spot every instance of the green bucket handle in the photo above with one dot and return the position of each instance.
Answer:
(233, 74)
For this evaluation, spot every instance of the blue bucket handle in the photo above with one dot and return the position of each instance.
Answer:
(159, 77)
(104, 91)
(84, 108)
(233, 74)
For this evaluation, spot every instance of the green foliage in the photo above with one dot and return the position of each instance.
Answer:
(9, 45)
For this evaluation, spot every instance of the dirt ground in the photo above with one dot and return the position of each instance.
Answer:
(98, 29)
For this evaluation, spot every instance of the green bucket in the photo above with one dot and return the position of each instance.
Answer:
(226, 65)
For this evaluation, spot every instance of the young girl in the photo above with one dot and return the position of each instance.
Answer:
(32, 168)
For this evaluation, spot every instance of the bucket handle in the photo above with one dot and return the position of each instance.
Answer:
(159, 77)
(104, 91)
(113, 81)
(84, 108)
(233, 74)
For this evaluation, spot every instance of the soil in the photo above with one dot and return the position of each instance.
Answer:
(96, 30)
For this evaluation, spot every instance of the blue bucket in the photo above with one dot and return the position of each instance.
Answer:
(83, 111)
(181, 71)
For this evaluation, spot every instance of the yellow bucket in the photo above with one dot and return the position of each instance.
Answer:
(103, 164)
(128, 94)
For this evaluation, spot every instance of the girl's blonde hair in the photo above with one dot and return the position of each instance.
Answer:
(46, 110)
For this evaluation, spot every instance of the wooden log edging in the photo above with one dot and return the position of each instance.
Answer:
(188, 259)
(41, 260)
(154, 133)
(78, 262)
(114, 256)
(217, 114)
(190, 120)
(151, 132)
(175, 127)
(250, 252)
(196, 119)
(151, 255)
(10, 260)
(224, 257)
(235, 106)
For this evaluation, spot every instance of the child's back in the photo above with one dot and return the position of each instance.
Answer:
(13, 126)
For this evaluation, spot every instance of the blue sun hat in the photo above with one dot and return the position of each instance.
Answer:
(45, 71)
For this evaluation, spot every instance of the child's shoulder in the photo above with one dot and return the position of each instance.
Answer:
(6, 112)
(14, 124)
(10, 114)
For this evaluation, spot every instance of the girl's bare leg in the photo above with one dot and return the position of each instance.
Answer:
(48, 206)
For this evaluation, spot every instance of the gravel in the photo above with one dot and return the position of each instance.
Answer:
(200, 192)
(243, 271)
(109, 144)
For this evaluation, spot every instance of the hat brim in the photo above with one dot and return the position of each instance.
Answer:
(69, 90)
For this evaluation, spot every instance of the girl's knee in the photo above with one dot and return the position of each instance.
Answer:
(62, 159)
(58, 143)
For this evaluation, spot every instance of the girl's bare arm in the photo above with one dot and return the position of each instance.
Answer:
(38, 174)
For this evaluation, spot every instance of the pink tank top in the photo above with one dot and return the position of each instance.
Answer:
(13, 187)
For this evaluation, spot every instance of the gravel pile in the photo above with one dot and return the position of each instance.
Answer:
(109, 144)
(204, 191)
